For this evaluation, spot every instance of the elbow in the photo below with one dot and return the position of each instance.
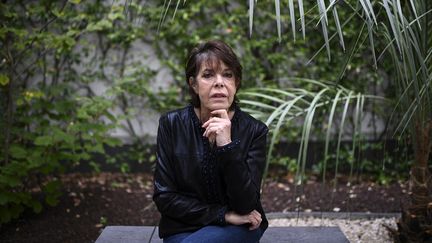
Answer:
(162, 202)
(157, 201)
(244, 210)
(243, 199)
(244, 205)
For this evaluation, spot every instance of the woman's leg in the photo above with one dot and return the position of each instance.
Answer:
(177, 238)
(225, 234)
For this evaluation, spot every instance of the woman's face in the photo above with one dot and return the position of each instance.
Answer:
(215, 85)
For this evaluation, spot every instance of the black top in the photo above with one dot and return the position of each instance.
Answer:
(196, 183)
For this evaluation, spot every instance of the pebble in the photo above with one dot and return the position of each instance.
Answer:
(357, 230)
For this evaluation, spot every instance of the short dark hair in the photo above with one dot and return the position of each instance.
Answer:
(208, 52)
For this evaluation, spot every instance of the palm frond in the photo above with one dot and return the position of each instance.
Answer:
(341, 131)
(338, 27)
(175, 10)
(328, 133)
(302, 18)
(163, 14)
(324, 22)
(292, 17)
(331, 38)
(306, 134)
(298, 103)
(251, 13)
(278, 19)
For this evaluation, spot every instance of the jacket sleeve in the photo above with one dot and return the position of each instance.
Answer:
(243, 175)
(169, 200)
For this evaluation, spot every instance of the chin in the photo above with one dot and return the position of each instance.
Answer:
(225, 106)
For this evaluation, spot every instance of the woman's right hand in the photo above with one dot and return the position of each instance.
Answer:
(253, 218)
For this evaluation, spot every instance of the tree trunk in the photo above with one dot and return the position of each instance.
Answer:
(416, 222)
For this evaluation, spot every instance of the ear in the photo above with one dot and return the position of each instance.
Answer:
(193, 84)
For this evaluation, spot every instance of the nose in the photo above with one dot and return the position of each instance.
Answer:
(219, 81)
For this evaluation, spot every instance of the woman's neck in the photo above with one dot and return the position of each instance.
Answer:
(204, 114)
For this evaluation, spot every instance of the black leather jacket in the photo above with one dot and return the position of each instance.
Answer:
(196, 183)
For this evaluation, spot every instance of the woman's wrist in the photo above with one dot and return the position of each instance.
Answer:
(223, 143)
(236, 219)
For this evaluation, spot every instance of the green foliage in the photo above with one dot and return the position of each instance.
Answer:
(48, 136)
(279, 108)
(371, 161)
(103, 221)
(56, 55)
(270, 57)
(266, 59)
(50, 123)
(288, 163)
(270, 60)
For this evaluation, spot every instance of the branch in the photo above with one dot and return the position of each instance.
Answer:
(42, 29)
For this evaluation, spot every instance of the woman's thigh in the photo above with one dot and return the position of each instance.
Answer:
(225, 234)
(177, 238)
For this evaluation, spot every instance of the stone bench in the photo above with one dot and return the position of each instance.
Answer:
(135, 234)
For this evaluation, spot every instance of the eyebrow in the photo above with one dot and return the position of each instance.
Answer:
(212, 70)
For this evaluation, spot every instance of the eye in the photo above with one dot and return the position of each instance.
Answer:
(207, 75)
(228, 75)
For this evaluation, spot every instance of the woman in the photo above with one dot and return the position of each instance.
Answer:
(210, 157)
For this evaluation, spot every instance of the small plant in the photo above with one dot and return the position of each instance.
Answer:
(103, 221)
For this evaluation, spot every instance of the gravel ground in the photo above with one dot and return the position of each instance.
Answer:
(358, 230)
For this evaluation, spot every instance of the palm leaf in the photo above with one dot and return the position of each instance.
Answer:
(301, 103)
(286, 107)
(302, 19)
(341, 129)
(163, 14)
(175, 10)
(306, 131)
(338, 27)
(292, 17)
(278, 20)
(251, 13)
(329, 126)
(331, 37)
(323, 20)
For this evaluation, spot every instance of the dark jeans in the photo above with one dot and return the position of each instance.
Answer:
(217, 234)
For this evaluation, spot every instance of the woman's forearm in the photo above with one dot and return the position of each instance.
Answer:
(243, 175)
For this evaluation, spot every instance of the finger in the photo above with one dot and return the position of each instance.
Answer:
(222, 113)
(210, 130)
(255, 223)
(210, 121)
(254, 227)
(255, 211)
(253, 220)
(257, 218)
(256, 214)
(215, 128)
(215, 120)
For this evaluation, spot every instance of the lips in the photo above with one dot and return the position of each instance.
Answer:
(218, 95)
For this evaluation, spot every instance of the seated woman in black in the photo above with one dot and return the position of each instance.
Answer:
(210, 157)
